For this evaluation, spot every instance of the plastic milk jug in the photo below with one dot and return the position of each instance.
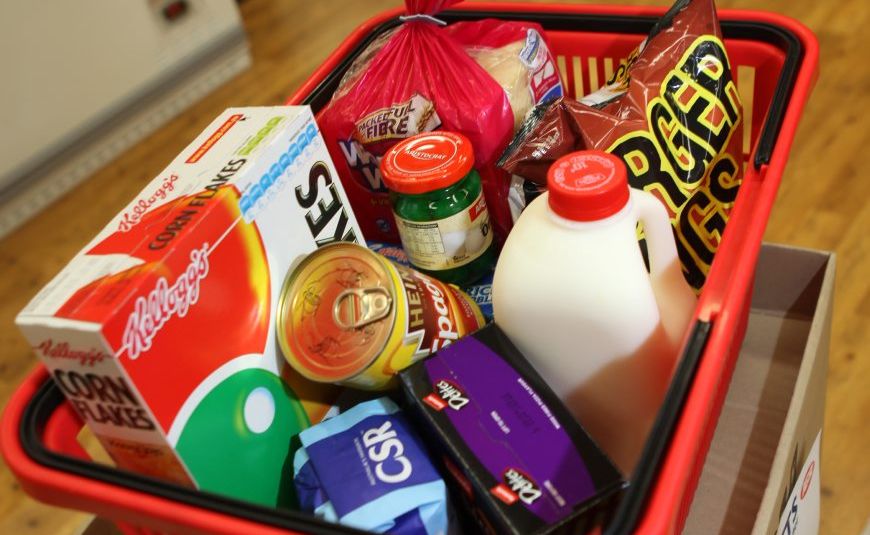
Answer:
(572, 291)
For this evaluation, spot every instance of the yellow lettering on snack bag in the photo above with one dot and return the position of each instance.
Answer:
(681, 159)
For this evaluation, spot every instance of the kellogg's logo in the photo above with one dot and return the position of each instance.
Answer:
(398, 121)
(164, 301)
(62, 350)
(130, 218)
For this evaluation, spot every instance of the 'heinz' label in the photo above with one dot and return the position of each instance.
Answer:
(439, 327)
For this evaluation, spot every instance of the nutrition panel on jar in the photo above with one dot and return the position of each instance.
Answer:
(450, 242)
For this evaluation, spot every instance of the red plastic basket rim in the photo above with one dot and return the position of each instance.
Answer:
(122, 503)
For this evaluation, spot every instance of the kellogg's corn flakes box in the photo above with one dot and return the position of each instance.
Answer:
(161, 331)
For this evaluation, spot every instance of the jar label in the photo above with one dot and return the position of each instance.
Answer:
(450, 242)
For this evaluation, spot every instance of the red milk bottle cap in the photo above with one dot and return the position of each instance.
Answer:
(587, 185)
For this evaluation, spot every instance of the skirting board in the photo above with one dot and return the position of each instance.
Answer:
(135, 119)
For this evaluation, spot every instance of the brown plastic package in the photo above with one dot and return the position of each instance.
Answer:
(672, 113)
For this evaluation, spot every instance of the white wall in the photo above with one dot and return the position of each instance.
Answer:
(68, 65)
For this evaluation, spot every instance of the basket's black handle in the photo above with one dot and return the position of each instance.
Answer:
(780, 37)
(633, 504)
(788, 42)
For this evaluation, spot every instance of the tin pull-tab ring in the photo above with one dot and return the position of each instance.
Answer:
(422, 17)
(358, 307)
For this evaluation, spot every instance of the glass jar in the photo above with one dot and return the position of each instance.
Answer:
(439, 206)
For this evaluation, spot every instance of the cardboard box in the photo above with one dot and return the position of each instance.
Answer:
(762, 472)
(161, 332)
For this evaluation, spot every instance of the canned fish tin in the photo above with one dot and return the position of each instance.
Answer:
(348, 315)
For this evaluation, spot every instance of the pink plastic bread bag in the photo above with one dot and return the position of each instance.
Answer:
(414, 79)
(516, 55)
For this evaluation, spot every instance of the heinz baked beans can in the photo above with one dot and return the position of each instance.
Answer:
(348, 315)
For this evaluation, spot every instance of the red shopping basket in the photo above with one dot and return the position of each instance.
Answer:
(775, 61)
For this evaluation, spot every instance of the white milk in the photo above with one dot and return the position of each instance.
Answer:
(576, 298)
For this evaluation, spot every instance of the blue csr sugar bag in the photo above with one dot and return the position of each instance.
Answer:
(367, 469)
